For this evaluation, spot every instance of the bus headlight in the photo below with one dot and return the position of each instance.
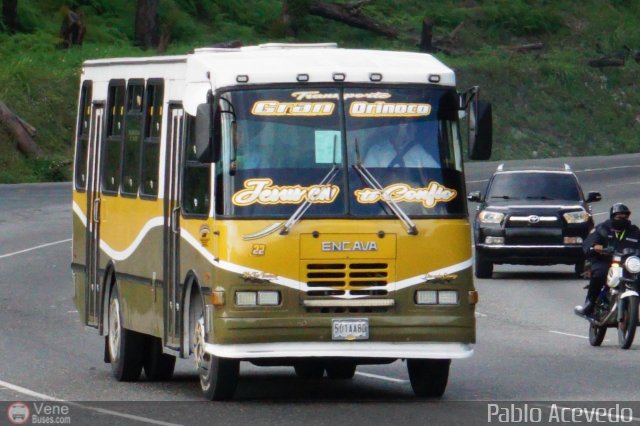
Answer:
(448, 297)
(246, 298)
(436, 297)
(632, 264)
(268, 298)
(257, 298)
(427, 297)
(487, 216)
(576, 217)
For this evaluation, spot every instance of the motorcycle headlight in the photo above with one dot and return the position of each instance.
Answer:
(632, 264)
(487, 216)
(576, 217)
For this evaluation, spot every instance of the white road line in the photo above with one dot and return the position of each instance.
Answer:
(375, 376)
(480, 314)
(623, 183)
(601, 213)
(568, 334)
(35, 248)
(39, 395)
(607, 168)
(477, 181)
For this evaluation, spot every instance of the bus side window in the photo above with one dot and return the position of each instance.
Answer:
(132, 138)
(113, 144)
(196, 180)
(82, 136)
(154, 106)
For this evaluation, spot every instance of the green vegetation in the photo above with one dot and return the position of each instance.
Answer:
(546, 102)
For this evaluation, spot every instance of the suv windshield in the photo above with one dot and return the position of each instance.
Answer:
(279, 144)
(534, 185)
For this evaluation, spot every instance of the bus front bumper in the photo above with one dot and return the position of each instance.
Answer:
(426, 350)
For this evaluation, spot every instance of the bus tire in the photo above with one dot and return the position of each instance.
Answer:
(308, 369)
(126, 347)
(428, 377)
(218, 376)
(158, 366)
(341, 370)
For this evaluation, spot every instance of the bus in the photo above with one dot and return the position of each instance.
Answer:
(282, 204)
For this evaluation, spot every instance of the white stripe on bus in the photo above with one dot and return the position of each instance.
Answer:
(239, 269)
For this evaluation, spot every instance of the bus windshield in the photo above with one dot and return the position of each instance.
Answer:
(280, 145)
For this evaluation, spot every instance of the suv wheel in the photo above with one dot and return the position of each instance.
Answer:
(484, 269)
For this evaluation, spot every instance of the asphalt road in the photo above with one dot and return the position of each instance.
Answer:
(530, 345)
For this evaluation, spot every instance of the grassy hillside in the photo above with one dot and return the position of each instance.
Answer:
(546, 103)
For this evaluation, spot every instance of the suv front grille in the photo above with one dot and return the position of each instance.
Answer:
(533, 221)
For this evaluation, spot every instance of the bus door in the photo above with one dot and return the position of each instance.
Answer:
(172, 179)
(92, 286)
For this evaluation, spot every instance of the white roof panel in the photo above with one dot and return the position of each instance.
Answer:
(282, 63)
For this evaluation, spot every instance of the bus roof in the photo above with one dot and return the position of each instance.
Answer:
(285, 63)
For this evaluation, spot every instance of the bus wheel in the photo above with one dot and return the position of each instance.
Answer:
(308, 369)
(428, 376)
(218, 376)
(158, 366)
(341, 370)
(126, 347)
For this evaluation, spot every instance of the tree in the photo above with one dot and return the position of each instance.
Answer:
(10, 14)
(147, 27)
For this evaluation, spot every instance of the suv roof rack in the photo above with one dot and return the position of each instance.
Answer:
(527, 168)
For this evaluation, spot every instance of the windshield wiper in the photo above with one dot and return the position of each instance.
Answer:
(300, 211)
(504, 197)
(371, 181)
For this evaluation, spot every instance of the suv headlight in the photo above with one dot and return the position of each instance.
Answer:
(487, 216)
(576, 217)
(632, 264)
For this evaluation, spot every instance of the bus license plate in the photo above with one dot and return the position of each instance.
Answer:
(350, 329)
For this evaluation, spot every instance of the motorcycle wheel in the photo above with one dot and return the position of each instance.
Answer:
(596, 335)
(627, 327)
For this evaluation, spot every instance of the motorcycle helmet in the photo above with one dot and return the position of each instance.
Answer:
(618, 208)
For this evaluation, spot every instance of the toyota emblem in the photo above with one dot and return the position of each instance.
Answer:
(534, 219)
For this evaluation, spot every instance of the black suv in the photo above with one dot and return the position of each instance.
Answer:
(531, 217)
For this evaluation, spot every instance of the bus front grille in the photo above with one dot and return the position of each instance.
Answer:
(347, 279)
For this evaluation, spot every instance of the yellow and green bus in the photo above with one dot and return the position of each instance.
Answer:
(296, 205)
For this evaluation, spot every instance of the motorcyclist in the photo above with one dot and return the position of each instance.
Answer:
(617, 232)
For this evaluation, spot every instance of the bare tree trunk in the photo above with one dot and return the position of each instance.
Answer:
(351, 14)
(147, 31)
(21, 130)
(10, 14)
(72, 30)
(292, 16)
(426, 44)
(607, 61)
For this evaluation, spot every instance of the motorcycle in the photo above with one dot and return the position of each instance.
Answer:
(617, 304)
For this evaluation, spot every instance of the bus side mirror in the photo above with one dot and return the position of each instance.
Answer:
(479, 125)
(207, 144)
